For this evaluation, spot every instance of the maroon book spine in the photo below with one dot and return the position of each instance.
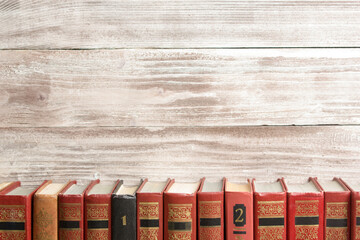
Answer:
(337, 213)
(71, 214)
(211, 214)
(19, 214)
(305, 215)
(179, 215)
(270, 214)
(98, 215)
(150, 212)
(354, 212)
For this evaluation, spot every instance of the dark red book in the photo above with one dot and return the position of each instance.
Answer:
(71, 211)
(269, 210)
(180, 210)
(98, 210)
(150, 210)
(337, 209)
(210, 199)
(354, 209)
(16, 209)
(305, 210)
(239, 211)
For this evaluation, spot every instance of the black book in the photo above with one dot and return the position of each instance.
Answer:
(123, 212)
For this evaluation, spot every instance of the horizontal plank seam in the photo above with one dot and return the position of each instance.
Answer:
(185, 126)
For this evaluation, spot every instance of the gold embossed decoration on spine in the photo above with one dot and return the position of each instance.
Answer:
(180, 215)
(210, 210)
(336, 211)
(149, 213)
(307, 219)
(271, 219)
(69, 212)
(357, 214)
(97, 213)
(14, 215)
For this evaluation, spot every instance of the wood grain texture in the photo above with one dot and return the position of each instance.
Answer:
(34, 154)
(179, 87)
(40, 24)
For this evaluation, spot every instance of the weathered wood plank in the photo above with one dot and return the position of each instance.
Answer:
(179, 87)
(34, 154)
(178, 23)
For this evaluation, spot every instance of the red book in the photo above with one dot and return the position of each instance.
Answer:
(210, 199)
(16, 209)
(180, 210)
(305, 211)
(337, 209)
(149, 203)
(98, 210)
(355, 209)
(239, 211)
(71, 211)
(269, 210)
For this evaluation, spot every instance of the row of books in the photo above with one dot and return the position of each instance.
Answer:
(203, 210)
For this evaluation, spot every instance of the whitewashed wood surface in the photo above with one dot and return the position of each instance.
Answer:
(77, 24)
(183, 88)
(186, 153)
(179, 87)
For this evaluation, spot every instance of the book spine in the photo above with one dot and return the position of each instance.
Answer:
(179, 216)
(71, 217)
(149, 216)
(305, 216)
(45, 224)
(239, 215)
(15, 217)
(355, 215)
(270, 215)
(123, 214)
(210, 215)
(98, 217)
(337, 215)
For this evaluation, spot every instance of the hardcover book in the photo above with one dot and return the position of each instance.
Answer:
(45, 222)
(269, 210)
(149, 202)
(71, 211)
(337, 209)
(16, 211)
(239, 211)
(211, 210)
(305, 211)
(355, 209)
(98, 211)
(123, 211)
(180, 210)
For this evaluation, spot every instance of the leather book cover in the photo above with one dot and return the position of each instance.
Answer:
(71, 214)
(337, 212)
(211, 213)
(45, 214)
(305, 214)
(180, 214)
(123, 214)
(150, 214)
(354, 212)
(98, 214)
(239, 214)
(269, 214)
(16, 222)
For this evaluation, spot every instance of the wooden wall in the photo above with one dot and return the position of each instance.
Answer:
(183, 88)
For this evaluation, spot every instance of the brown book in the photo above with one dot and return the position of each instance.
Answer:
(45, 215)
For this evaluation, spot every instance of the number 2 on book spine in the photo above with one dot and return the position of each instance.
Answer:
(124, 220)
(239, 215)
